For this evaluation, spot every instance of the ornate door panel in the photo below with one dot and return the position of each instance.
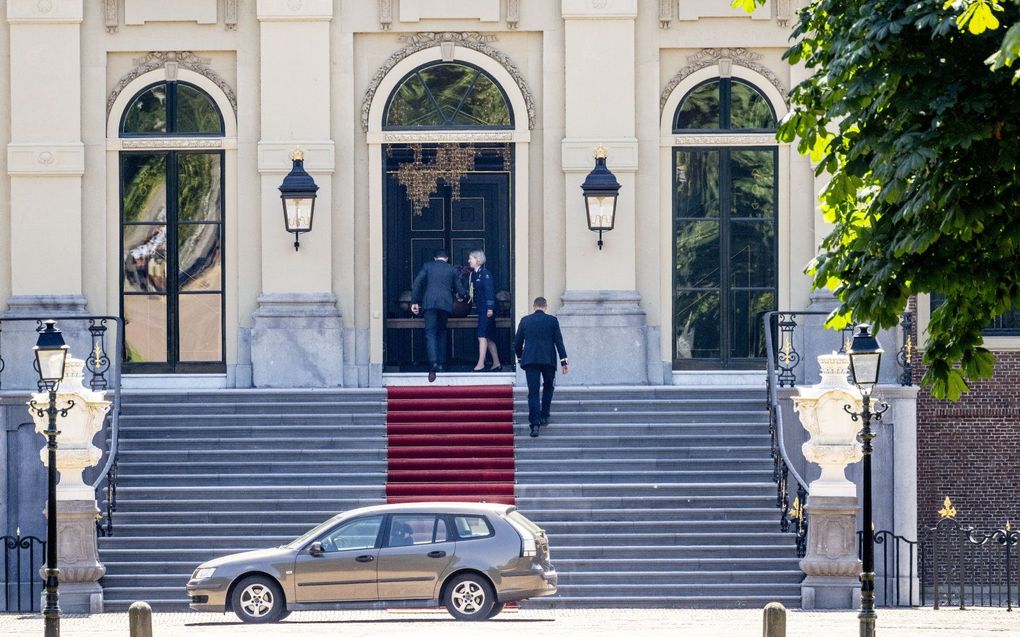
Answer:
(471, 213)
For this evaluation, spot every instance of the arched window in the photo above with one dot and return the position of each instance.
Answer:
(172, 108)
(171, 231)
(725, 104)
(725, 272)
(448, 95)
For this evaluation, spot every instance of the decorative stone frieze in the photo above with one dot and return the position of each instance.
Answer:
(171, 60)
(40, 160)
(66, 11)
(712, 57)
(755, 139)
(299, 10)
(428, 39)
(598, 9)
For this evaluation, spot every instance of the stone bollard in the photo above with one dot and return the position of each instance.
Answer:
(140, 620)
(774, 620)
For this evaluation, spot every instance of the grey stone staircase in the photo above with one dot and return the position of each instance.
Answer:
(657, 497)
(207, 473)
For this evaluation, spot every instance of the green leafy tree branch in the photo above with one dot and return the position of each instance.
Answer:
(917, 125)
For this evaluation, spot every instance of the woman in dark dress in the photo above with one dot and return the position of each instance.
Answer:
(483, 288)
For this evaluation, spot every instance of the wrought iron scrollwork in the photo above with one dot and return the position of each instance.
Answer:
(787, 357)
(98, 361)
(905, 356)
(24, 571)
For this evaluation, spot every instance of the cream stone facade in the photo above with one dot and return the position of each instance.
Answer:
(320, 75)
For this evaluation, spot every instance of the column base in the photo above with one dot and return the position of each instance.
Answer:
(830, 593)
(297, 341)
(78, 557)
(80, 598)
(605, 335)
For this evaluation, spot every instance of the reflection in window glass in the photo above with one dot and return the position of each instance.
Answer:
(696, 321)
(201, 318)
(198, 187)
(356, 534)
(697, 184)
(701, 108)
(144, 179)
(147, 112)
(448, 95)
(754, 183)
(749, 108)
(145, 328)
(471, 526)
(196, 112)
(145, 258)
(410, 529)
(747, 331)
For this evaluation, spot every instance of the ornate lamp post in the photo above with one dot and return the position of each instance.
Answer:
(865, 356)
(298, 195)
(51, 355)
(600, 190)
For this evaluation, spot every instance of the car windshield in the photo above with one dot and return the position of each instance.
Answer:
(307, 537)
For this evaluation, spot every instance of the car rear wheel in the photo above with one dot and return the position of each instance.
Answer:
(257, 600)
(470, 597)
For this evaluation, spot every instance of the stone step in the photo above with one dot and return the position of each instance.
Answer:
(532, 466)
(210, 480)
(220, 443)
(326, 491)
(664, 416)
(234, 467)
(611, 565)
(790, 598)
(571, 501)
(176, 398)
(289, 453)
(673, 551)
(599, 474)
(297, 430)
(719, 515)
(212, 410)
(562, 541)
(637, 490)
(167, 501)
(544, 449)
(570, 579)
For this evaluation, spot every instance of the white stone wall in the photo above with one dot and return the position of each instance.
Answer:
(596, 70)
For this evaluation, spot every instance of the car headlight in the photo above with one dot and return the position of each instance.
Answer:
(203, 573)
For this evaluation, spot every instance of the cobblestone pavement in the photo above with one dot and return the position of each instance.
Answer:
(536, 623)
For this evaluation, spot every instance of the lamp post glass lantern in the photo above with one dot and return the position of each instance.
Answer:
(51, 356)
(601, 190)
(297, 193)
(865, 357)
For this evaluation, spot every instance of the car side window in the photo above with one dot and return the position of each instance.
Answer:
(408, 529)
(356, 534)
(470, 527)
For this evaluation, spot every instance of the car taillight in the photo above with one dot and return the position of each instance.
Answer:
(529, 546)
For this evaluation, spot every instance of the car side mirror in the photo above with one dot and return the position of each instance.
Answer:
(315, 549)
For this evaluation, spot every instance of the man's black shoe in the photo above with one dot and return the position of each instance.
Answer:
(432, 375)
(534, 431)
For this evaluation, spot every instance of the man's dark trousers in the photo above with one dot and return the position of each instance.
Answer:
(435, 336)
(544, 375)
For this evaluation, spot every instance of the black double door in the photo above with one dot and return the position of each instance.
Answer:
(478, 219)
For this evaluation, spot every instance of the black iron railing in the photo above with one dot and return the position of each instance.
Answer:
(965, 567)
(895, 550)
(104, 374)
(22, 584)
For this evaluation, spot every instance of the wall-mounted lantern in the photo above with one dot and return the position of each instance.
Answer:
(298, 194)
(600, 190)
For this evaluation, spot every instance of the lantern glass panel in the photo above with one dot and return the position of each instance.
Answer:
(601, 211)
(298, 213)
(51, 363)
(864, 367)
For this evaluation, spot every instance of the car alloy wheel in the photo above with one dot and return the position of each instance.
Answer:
(257, 600)
(470, 597)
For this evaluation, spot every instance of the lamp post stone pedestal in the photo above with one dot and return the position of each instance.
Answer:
(831, 563)
(78, 558)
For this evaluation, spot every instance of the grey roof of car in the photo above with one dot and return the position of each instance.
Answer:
(434, 507)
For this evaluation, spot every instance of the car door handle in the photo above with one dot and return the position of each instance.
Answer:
(364, 558)
(437, 554)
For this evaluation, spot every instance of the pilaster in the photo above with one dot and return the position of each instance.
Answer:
(297, 301)
(45, 157)
(602, 317)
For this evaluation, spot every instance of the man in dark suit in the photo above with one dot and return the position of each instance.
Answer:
(433, 291)
(537, 343)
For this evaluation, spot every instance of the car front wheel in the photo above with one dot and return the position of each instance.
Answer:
(470, 597)
(257, 600)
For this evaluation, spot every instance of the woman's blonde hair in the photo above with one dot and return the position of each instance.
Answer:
(478, 254)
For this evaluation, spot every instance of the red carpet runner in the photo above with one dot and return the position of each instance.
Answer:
(450, 444)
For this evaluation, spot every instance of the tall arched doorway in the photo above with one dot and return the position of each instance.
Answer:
(455, 196)
(725, 252)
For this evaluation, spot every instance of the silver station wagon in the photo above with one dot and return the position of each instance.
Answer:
(472, 558)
